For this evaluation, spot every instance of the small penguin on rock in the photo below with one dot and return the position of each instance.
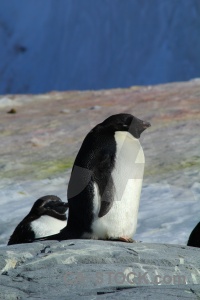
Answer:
(46, 217)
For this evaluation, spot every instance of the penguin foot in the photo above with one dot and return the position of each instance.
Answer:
(122, 239)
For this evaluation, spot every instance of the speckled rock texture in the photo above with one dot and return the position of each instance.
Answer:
(89, 269)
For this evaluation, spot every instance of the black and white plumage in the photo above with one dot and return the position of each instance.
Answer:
(46, 217)
(106, 180)
(194, 238)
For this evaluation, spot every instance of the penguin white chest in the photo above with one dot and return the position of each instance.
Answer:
(47, 225)
(127, 175)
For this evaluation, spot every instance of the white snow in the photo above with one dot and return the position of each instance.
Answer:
(167, 214)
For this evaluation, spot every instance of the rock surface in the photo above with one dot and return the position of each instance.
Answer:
(89, 269)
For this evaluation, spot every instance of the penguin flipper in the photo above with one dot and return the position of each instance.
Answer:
(105, 182)
(107, 198)
(105, 207)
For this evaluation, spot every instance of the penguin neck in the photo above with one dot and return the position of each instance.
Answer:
(122, 135)
(53, 214)
(129, 147)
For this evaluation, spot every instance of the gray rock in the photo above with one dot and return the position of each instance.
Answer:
(95, 107)
(81, 110)
(92, 269)
(65, 111)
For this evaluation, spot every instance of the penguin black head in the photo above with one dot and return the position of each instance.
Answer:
(125, 122)
(50, 205)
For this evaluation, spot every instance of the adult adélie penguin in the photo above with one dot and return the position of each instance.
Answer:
(106, 180)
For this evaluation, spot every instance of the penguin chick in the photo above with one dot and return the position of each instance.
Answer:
(46, 217)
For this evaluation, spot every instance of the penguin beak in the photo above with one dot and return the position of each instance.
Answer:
(145, 125)
(139, 128)
(61, 207)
